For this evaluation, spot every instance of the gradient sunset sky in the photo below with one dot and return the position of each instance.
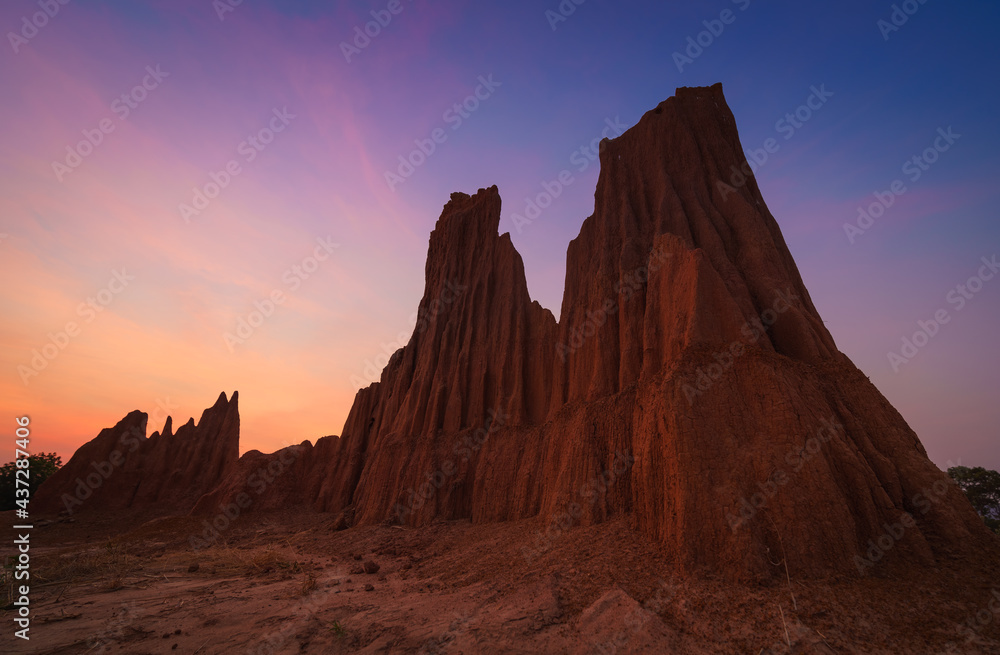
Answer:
(217, 74)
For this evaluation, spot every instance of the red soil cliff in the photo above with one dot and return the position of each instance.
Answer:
(689, 384)
(122, 469)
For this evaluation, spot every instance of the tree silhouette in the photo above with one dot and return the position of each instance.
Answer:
(40, 467)
(982, 486)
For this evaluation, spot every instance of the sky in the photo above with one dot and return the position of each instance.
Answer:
(200, 196)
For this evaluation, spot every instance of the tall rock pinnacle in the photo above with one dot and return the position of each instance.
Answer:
(672, 174)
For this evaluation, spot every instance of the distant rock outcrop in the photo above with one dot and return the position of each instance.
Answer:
(690, 384)
(122, 469)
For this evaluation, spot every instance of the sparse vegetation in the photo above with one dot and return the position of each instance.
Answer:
(982, 486)
(254, 561)
(7, 581)
(336, 629)
(107, 565)
(40, 467)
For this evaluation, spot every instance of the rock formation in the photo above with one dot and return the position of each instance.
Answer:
(690, 384)
(122, 469)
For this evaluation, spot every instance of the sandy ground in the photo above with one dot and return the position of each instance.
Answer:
(290, 583)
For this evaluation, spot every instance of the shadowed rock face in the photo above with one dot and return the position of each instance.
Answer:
(122, 469)
(689, 384)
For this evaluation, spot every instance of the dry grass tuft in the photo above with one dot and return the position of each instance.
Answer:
(108, 565)
(309, 584)
(7, 583)
(253, 561)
